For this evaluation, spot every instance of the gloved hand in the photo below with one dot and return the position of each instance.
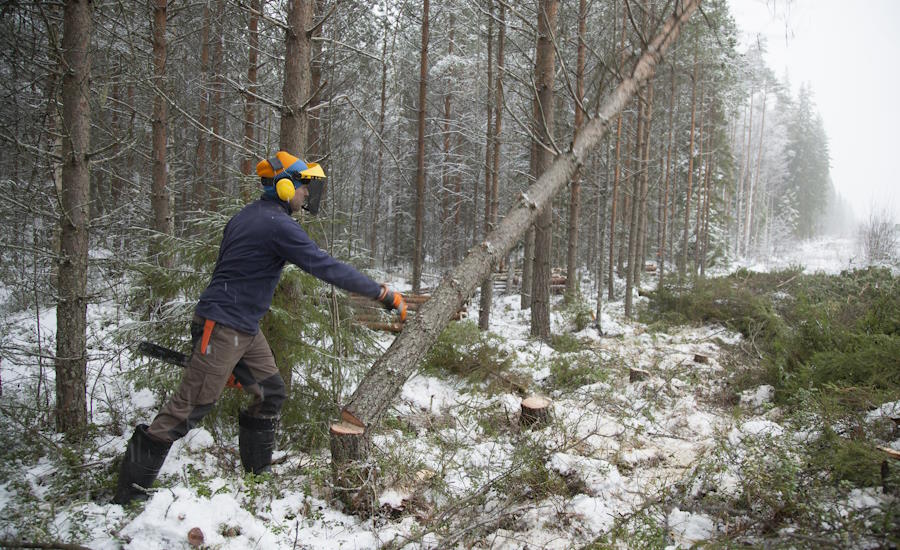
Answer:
(393, 301)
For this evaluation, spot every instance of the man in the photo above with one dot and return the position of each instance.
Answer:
(256, 243)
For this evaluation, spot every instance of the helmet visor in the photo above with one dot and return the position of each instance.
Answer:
(316, 189)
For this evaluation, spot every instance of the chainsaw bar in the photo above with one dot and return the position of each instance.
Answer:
(172, 357)
(166, 355)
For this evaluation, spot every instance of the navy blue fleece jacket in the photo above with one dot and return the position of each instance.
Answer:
(257, 242)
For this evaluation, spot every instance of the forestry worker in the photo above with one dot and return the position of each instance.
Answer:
(227, 343)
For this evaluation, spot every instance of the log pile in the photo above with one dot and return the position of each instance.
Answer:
(557, 280)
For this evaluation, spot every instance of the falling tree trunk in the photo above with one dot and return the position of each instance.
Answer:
(544, 69)
(487, 287)
(295, 90)
(71, 313)
(162, 216)
(575, 198)
(381, 384)
(682, 268)
(418, 250)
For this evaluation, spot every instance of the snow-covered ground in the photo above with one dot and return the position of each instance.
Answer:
(454, 464)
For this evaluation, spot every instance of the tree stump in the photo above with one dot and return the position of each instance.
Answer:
(352, 478)
(535, 411)
(701, 359)
(636, 375)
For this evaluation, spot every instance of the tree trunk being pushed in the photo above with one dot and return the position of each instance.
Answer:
(381, 384)
(535, 412)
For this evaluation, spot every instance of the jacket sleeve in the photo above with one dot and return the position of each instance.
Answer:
(295, 246)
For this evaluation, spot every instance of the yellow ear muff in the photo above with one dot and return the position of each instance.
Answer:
(285, 189)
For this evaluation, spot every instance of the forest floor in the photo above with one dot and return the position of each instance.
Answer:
(646, 424)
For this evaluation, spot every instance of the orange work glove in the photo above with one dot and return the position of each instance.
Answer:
(393, 301)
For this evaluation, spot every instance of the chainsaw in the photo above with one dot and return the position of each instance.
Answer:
(173, 357)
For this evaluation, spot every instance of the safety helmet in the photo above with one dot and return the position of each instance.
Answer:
(281, 175)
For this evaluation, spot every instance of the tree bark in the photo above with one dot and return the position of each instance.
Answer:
(544, 69)
(665, 204)
(200, 167)
(575, 197)
(379, 172)
(753, 187)
(615, 193)
(384, 380)
(71, 313)
(295, 90)
(418, 246)
(690, 182)
(162, 216)
(487, 287)
(247, 165)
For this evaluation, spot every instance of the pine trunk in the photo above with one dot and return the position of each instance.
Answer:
(162, 215)
(487, 287)
(418, 246)
(247, 165)
(690, 181)
(71, 313)
(379, 171)
(575, 197)
(544, 69)
(296, 87)
(201, 173)
(615, 193)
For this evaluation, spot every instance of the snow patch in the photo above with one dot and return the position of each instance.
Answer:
(689, 529)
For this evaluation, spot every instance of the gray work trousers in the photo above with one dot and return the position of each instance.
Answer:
(219, 352)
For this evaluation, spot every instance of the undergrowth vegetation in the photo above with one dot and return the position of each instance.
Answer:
(464, 350)
(830, 346)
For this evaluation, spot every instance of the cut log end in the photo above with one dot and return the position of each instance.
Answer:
(535, 411)
(347, 417)
(345, 428)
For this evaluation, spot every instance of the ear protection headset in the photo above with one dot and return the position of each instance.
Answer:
(285, 182)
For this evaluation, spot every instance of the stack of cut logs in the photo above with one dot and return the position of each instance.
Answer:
(502, 282)
(371, 313)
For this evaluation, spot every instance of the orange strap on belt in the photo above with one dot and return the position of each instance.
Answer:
(207, 332)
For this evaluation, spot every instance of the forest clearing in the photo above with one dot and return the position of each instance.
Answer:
(442, 274)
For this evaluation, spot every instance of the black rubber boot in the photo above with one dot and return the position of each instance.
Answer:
(257, 441)
(143, 458)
